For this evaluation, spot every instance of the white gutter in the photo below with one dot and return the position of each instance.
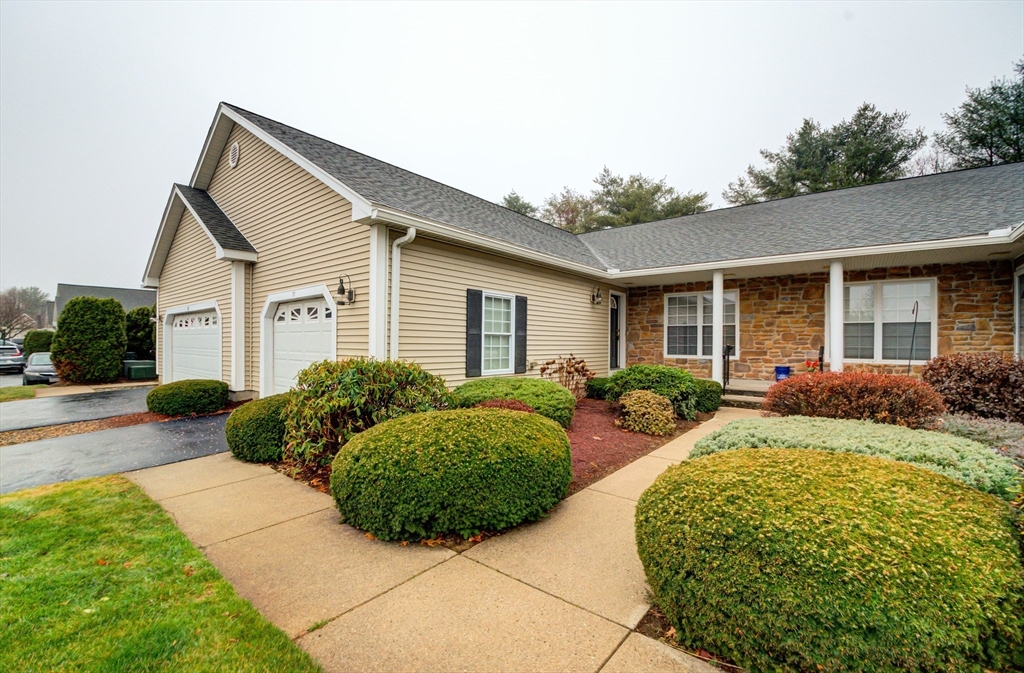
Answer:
(396, 267)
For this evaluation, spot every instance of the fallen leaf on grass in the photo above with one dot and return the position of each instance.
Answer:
(189, 571)
(101, 562)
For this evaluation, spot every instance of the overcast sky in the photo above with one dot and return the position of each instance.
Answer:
(103, 106)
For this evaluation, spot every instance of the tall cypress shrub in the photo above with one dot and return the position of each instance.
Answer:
(90, 340)
(141, 332)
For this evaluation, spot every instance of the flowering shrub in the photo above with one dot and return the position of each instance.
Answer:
(573, 374)
(646, 412)
(957, 458)
(981, 384)
(511, 405)
(883, 398)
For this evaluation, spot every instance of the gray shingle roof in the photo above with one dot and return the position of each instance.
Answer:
(216, 222)
(933, 207)
(130, 298)
(388, 185)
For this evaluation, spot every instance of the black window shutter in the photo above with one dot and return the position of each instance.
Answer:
(474, 327)
(520, 334)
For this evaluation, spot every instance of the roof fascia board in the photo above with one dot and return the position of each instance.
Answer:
(150, 279)
(360, 206)
(480, 242)
(991, 238)
(216, 138)
(234, 255)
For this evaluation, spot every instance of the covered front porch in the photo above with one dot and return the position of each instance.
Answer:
(894, 318)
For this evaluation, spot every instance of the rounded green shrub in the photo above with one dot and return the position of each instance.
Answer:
(707, 397)
(794, 560)
(547, 398)
(597, 388)
(962, 459)
(141, 332)
(37, 341)
(332, 401)
(89, 341)
(255, 430)
(646, 412)
(188, 397)
(678, 385)
(461, 471)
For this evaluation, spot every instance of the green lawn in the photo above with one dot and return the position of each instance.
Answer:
(10, 393)
(94, 576)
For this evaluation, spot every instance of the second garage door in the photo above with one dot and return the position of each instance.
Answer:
(303, 334)
(195, 346)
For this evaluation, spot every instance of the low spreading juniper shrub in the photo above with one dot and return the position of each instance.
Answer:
(707, 397)
(678, 385)
(188, 397)
(990, 385)
(511, 405)
(961, 459)
(1005, 437)
(547, 398)
(882, 398)
(255, 430)
(334, 400)
(795, 560)
(646, 412)
(458, 471)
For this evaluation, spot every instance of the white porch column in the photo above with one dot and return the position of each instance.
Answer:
(378, 346)
(835, 317)
(717, 325)
(237, 326)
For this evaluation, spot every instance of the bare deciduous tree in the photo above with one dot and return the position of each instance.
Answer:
(14, 318)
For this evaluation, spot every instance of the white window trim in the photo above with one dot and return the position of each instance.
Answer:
(620, 297)
(267, 327)
(729, 294)
(512, 337)
(1018, 312)
(168, 335)
(933, 347)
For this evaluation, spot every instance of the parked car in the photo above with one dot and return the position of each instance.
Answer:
(39, 369)
(11, 358)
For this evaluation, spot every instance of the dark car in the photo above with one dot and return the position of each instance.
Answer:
(11, 359)
(39, 369)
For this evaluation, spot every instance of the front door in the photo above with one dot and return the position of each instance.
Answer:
(614, 335)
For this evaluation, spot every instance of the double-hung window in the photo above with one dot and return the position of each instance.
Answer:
(688, 324)
(889, 321)
(498, 337)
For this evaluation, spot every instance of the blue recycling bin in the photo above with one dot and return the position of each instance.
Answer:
(782, 373)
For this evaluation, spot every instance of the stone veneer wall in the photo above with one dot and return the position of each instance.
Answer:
(782, 318)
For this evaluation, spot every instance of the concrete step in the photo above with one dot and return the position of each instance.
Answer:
(744, 392)
(741, 401)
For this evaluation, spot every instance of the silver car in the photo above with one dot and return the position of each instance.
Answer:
(11, 359)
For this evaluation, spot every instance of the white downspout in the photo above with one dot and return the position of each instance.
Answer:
(396, 266)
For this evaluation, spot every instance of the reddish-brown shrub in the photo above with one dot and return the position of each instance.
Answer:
(511, 405)
(981, 384)
(882, 398)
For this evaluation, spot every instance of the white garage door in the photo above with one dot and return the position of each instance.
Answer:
(195, 346)
(303, 334)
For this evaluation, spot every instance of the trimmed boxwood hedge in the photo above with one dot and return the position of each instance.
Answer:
(597, 388)
(795, 560)
(707, 396)
(461, 471)
(188, 397)
(547, 398)
(255, 430)
(89, 341)
(962, 459)
(678, 385)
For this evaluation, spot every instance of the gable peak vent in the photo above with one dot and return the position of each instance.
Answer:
(233, 155)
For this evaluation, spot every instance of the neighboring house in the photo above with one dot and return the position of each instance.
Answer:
(129, 298)
(249, 256)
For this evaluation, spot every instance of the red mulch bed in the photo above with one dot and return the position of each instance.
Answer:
(600, 448)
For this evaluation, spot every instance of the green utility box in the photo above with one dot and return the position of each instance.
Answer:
(139, 370)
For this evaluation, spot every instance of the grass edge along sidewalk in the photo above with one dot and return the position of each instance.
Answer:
(95, 575)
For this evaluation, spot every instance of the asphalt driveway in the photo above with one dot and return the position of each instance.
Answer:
(94, 454)
(71, 408)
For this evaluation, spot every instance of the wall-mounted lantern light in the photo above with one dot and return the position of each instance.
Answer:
(346, 296)
(595, 295)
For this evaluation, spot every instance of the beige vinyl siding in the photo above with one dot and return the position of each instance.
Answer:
(432, 326)
(303, 233)
(192, 273)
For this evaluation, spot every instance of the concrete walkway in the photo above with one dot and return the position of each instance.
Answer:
(72, 408)
(562, 594)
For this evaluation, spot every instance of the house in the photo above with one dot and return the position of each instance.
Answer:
(129, 297)
(284, 249)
